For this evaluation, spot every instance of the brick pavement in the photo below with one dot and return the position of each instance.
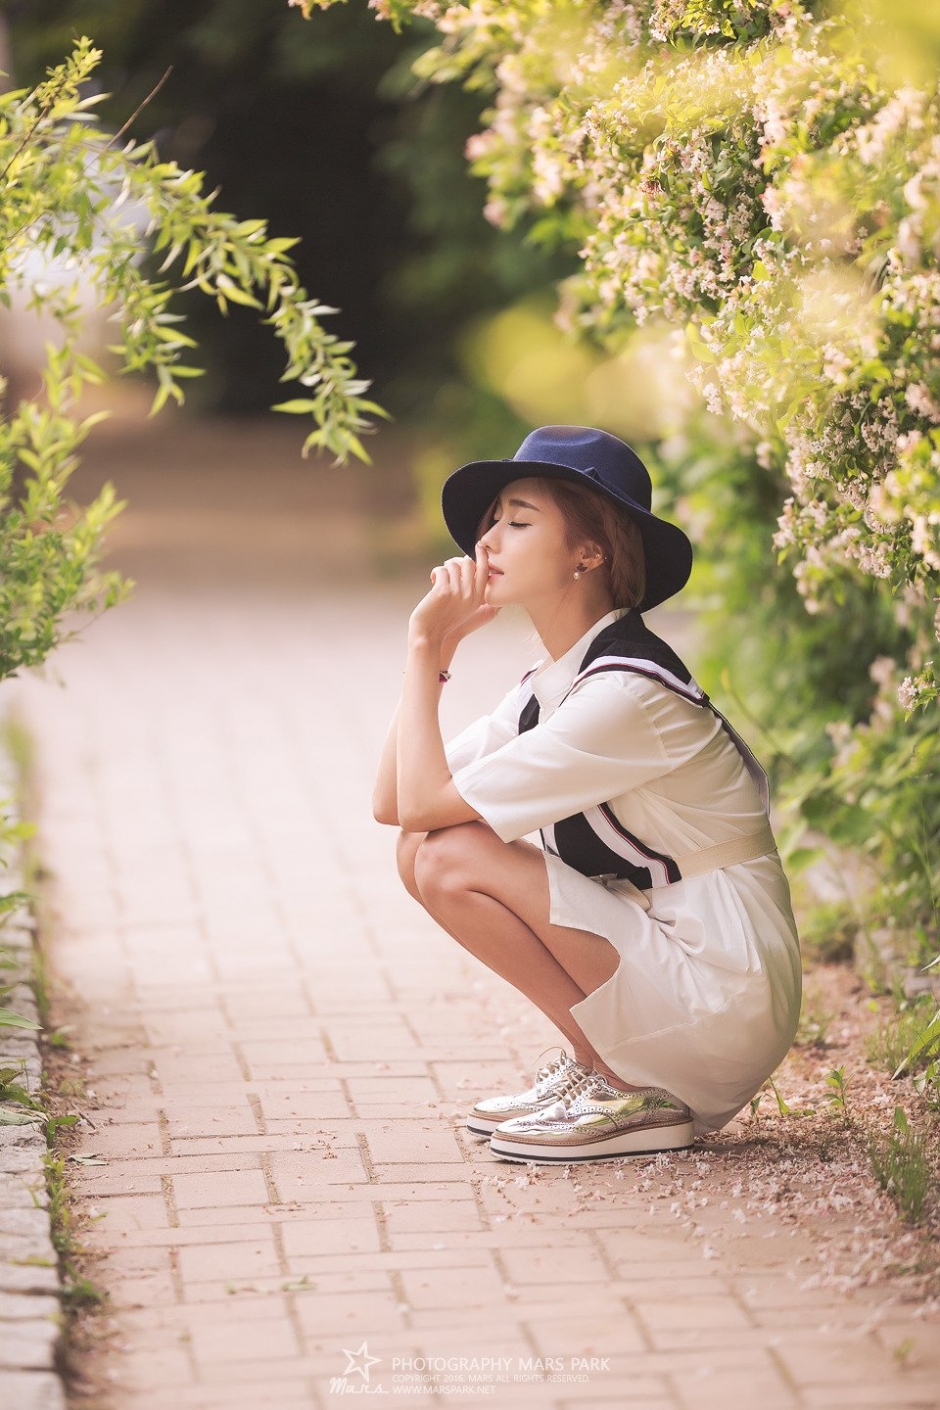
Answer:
(281, 1045)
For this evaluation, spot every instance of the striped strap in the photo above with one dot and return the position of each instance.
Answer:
(689, 690)
(706, 859)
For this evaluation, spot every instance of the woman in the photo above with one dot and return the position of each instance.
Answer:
(654, 926)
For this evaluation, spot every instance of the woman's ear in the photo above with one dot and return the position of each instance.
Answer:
(591, 556)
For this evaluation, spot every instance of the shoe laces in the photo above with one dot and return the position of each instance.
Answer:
(598, 1086)
(577, 1083)
(555, 1065)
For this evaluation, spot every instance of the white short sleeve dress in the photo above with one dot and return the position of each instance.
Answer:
(706, 999)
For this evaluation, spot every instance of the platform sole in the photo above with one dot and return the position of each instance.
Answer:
(477, 1127)
(486, 1125)
(650, 1140)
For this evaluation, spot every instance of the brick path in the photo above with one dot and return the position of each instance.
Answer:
(281, 1046)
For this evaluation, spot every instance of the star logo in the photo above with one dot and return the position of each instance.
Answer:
(360, 1361)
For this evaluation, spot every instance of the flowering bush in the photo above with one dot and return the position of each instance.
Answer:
(753, 173)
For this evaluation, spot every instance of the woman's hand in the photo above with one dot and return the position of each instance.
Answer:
(454, 607)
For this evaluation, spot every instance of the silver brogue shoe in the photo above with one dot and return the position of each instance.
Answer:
(553, 1083)
(600, 1122)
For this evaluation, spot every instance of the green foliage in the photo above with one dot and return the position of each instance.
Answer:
(815, 1022)
(783, 1105)
(10, 902)
(12, 1089)
(880, 796)
(67, 191)
(927, 1085)
(901, 1166)
(924, 1045)
(838, 1089)
(903, 1041)
(829, 931)
(79, 1294)
(55, 1124)
(9, 1019)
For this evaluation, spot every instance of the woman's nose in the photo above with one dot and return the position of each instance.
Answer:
(487, 539)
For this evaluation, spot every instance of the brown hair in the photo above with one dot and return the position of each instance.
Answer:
(590, 518)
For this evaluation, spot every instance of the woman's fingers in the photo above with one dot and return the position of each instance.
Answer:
(481, 571)
(456, 602)
(441, 574)
(455, 575)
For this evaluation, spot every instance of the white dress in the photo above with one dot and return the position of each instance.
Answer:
(706, 999)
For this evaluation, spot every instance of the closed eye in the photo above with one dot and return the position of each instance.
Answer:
(514, 525)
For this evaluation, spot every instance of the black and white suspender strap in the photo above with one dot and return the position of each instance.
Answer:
(595, 841)
(690, 690)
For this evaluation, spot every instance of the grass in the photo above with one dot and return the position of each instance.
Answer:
(815, 1022)
(829, 932)
(927, 1085)
(79, 1293)
(82, 1295)
(888, 1046)
(901, 1166)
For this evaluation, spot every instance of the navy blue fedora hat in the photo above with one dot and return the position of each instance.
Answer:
(586, 457)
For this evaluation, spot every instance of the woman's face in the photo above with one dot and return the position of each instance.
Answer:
(528, 557)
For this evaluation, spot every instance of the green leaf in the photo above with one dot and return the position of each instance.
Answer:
(802, 857)
(8, 1019)
(10, 1116)
(698, 347)
(927, 1040)
(236, 295)
(298, 406)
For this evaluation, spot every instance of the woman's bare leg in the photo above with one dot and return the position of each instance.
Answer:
(493, 898)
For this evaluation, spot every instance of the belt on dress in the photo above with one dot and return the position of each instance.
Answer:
(699, 863)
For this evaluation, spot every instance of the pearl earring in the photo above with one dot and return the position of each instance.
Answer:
(578, 572)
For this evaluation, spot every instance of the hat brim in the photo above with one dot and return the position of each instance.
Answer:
(469, 492)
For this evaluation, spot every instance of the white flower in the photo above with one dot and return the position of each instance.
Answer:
(495, 211)
(919, 399)
(907, 694)
(881, 670)
(835, 365)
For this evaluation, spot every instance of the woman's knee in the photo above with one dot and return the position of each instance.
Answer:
(447, 859)
(424, 858)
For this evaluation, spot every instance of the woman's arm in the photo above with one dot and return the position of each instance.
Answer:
(427, 798)
(441, 645)
(385, 793)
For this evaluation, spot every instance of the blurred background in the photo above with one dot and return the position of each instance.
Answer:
(322, 129)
